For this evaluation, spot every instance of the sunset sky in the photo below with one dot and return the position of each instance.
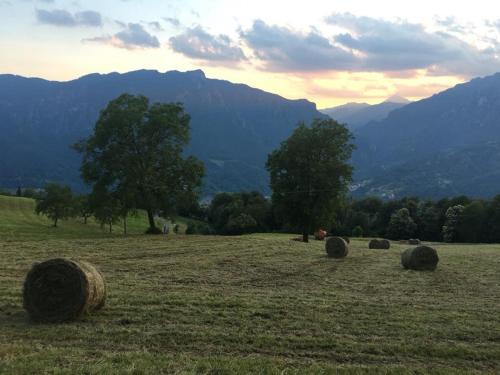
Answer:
(330, 52)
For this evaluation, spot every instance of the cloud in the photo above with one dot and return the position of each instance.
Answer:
(172, 21)
(134, 36)
(368, 44)
(63, 18)
(280, 48)
(89, 18)
(196, 43)
(392, 46)
(155, 26)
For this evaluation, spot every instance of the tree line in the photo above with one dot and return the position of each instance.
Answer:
(459, 219)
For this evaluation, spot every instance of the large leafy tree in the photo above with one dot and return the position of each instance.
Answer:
(401, 226)
(56, 202)
(310, 174)
(135, 155)
(453, 218)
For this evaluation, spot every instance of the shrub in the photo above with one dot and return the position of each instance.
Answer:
(357, 231)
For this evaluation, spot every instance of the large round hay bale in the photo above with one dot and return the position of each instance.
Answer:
(421, 258)
(336, 247)
(379, 244)
(61, 290)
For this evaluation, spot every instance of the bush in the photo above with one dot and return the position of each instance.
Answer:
(357, 232)
(198, 228)
(241, 224)
(154, 231)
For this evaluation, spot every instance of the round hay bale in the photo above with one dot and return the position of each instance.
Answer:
(336, 247)
(379, 244)
(414, 241)
(61, 290)
(384, 244)
(421, 258)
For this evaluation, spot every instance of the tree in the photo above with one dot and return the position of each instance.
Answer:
(238, 213)
(310, 174)
(401, 225)
(450, 227)
(106, 208)
(135, 154)
(471, 228)
(19, 192)
(56, 202)
(357, 232)
(492, 221)
(428, 219)
(83, 207)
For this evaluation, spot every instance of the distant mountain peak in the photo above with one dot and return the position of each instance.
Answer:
(396, 98)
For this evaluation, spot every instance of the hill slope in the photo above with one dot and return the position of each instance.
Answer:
(234, 127)
(18, 221)
(439, 146)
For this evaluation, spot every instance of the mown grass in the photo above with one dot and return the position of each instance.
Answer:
(259, 304)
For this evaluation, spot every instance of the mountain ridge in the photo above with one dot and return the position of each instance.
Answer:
(39, 119)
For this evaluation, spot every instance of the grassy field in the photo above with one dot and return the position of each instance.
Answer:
(259, 304)
(18, 221)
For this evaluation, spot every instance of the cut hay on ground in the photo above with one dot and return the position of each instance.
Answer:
(379, 244)
(336, 247)
(421, 258)
(61, 290)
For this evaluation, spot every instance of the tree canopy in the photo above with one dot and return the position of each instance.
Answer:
(56, 202)
(310, 174)
(135, 156)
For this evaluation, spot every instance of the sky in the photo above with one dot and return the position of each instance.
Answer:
(330, 52)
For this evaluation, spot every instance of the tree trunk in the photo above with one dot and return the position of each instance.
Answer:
(55, 222)
(125, 225)
(151, 220)
(85, 220)
(305, 235)
(110, 226)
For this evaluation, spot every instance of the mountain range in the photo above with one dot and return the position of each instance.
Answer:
(233, 127)
(445, 145)
(355, 115)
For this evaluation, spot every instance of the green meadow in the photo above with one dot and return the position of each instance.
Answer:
(256, 304)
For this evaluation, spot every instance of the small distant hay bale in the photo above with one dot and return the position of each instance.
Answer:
(336, 247)
(414, 241)
(420, 258)
(403, 242)
(379, 244)
(61, 290)
(347, 239)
